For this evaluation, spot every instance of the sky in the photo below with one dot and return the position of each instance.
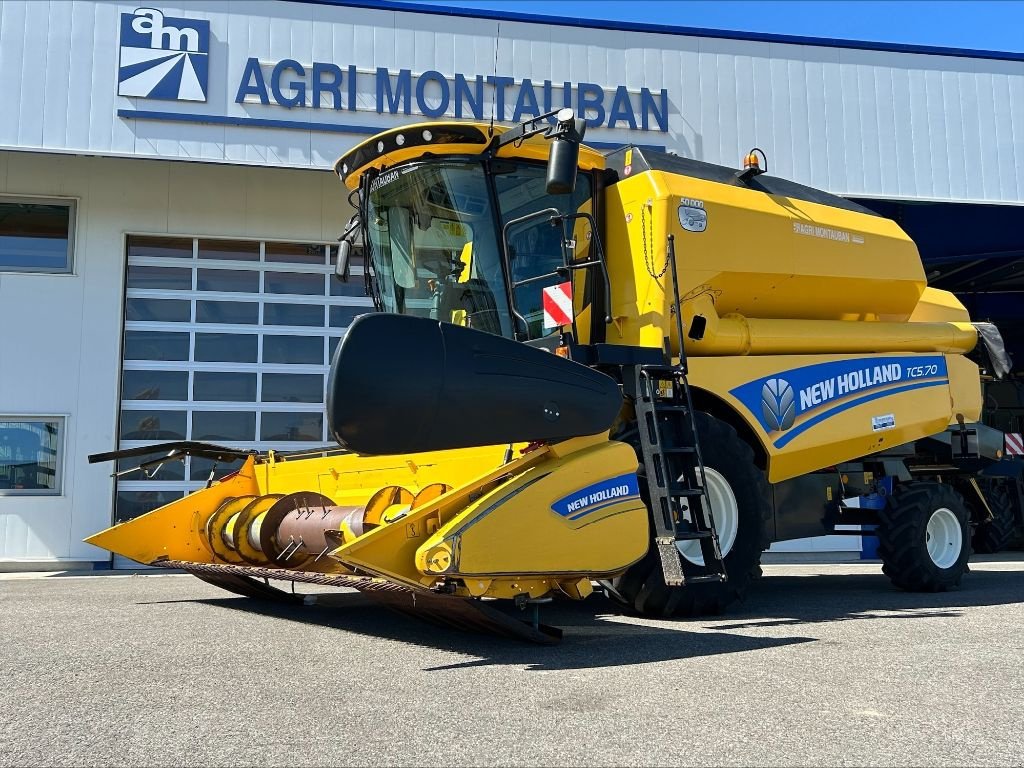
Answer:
(996, 25)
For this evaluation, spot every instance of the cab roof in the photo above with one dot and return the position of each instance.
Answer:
(431, 139)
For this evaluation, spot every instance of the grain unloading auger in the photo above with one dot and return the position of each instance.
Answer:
(637, 370)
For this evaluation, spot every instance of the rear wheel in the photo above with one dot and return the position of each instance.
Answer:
(924, 537)
(994, 535)
(740, 504)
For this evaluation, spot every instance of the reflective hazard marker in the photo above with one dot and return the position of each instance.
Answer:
(1014, 444)
(558, 305)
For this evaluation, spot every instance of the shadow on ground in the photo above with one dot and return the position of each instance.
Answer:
(597, 635)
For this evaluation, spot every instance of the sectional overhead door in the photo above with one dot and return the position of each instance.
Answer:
(229, 342)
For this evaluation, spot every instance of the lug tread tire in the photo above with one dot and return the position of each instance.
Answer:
(902, 543)
(642, 587)
(996, 534)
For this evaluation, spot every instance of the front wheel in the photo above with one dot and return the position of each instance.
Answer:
(740, 502)
(924, 537)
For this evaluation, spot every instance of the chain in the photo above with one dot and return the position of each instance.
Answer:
(649, 261)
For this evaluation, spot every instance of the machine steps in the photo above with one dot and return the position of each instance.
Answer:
(680, 504)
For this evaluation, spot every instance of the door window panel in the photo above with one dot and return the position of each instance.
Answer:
(154, 385)
(226, 347)
(227, 280)
(228, 312)
(230, 250)
(223, 425)
(304, 283)
(293, 388)
(159, 278)
(155, 345)
(158, 310)
(294, 314)
(227, 386)
(292, 427)
(153, 425)
(296, 350)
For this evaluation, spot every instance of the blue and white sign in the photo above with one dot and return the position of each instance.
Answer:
(789, 403)
(598, 496)
(163, 57)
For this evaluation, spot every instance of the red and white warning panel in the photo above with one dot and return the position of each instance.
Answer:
(1014, 444)
(558, 305)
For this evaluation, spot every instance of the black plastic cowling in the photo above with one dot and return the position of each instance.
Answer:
(403, 384)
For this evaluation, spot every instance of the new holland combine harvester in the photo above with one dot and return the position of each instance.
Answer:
(632, 370)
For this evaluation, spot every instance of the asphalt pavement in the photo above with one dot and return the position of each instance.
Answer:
(822, 665)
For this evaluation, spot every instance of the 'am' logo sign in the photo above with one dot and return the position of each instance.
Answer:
(163, 57)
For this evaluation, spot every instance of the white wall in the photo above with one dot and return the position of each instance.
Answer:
(60, 345)
(857, 122)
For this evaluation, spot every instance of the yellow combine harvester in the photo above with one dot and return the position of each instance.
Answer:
(633, 369)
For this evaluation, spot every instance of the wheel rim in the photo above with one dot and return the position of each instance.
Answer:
(726, 512)
(944, 538)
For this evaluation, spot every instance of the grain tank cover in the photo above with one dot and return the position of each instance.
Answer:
(761, 247)
(641, 160)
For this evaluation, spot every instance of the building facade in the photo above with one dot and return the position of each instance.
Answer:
(167, 217)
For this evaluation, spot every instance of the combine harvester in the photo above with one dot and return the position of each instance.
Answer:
(635, 370)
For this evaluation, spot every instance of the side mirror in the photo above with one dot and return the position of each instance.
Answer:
(341, 264)
(564, 156)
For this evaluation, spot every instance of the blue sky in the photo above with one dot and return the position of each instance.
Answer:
(982, 24)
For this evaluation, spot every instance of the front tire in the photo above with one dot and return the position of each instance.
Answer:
(924, 537)
(733, 478)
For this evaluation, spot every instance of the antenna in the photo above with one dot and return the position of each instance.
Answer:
(494, 92)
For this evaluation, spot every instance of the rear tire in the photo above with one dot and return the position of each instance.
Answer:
(995, 535)
(924, 537)
(642, 587)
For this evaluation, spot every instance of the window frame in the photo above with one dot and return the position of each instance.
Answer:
(61, 447)
(71, 203)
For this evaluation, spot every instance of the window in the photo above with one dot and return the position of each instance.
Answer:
(36, 235)
(30, 455)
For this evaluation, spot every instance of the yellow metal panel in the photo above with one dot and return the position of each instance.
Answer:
(350, 478)
(173, 531)
(964, 388)
(571, 514)
(390, 550)
(837, 420)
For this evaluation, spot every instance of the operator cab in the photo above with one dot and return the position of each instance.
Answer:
(468, 224)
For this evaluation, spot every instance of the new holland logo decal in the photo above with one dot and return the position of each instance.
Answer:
(598, 496)
(163, 57)
(788, 403)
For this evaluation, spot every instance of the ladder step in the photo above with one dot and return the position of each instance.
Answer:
(683, 449)
(717, 577)
(680, 492)
(659, 408)
(671, 563)
(692, 535)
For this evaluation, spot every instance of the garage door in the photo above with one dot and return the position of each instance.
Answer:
(225, 341)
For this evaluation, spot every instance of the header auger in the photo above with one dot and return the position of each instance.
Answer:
(633, 370)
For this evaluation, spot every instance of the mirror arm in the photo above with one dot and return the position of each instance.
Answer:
(530, 128)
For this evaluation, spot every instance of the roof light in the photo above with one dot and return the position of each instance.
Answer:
(427, 135)
(752, 165)
(400, 139)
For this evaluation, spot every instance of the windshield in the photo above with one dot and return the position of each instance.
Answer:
(433, 245)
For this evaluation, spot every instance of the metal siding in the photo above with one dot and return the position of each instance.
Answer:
(851, 120)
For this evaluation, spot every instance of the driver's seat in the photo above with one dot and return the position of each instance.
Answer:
(476, 299)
